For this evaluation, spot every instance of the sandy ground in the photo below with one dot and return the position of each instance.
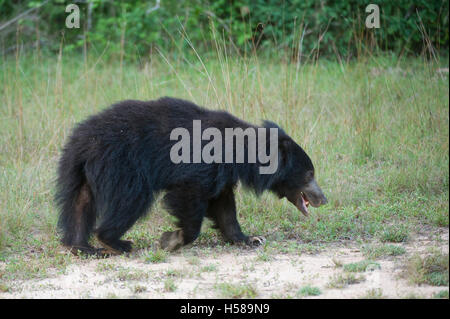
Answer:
(201, 277)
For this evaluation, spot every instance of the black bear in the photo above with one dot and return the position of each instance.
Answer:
(115, 163)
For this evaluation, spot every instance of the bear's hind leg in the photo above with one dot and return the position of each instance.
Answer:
(222, 210)
(114, 225)
(77, 222)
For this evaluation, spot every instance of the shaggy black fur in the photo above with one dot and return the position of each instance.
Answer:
(115, 163)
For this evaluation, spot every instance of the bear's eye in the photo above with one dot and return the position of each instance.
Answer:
(309, 175)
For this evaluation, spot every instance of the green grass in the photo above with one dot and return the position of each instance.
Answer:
(193, 260)
(343, 280)
(309, 291)
(394, 234)
(361, 266)
(265, 254)
(175, 273)
(443, 294)
(158, 256)
(209, 268)
(382, 251)
(236, 291)
(105, 266)
(127, 274)
(431, 269)
(379, 142)
(170, 285)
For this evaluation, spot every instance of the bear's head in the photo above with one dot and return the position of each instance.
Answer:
(296, 179)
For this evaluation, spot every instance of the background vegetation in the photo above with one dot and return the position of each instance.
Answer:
(133, 28)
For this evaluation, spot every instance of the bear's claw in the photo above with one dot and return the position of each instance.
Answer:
(256, 240)
(171, 241)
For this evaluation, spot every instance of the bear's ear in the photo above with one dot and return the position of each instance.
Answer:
(270, 124)
(284, 142)
(284, 145)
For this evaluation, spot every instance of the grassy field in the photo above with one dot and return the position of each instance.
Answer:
(376, 128)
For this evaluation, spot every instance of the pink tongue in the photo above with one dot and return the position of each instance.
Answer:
(303, 207)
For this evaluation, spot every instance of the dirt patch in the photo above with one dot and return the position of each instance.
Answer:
(184, 275)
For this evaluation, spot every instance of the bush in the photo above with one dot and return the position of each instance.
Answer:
(266, 25)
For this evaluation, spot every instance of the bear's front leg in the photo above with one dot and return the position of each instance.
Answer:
(222, 210)
(171, 240)
(187, 204)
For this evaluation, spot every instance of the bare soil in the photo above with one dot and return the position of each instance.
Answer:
(185, 275)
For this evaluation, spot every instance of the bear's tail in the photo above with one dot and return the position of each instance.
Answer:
(76, 204)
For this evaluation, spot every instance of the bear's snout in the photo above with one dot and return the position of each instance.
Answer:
(314, 194)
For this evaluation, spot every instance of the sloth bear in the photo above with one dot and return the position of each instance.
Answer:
(116, 162)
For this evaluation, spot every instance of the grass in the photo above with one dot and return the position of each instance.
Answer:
(443, 294)
(105, 266)
(343, 280)
(379, 142)
(361, 266)
(36, 266)
(337, 263)
(431, 269)
(265, 254)
(158, 256)
(127, 274)
(4, 288)
(394, 234)
(193, 260)
(169, 285)
(209, 268)
(374, 293)
(236, 291)
(175, 273)
(309, 291)
(382, 251)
